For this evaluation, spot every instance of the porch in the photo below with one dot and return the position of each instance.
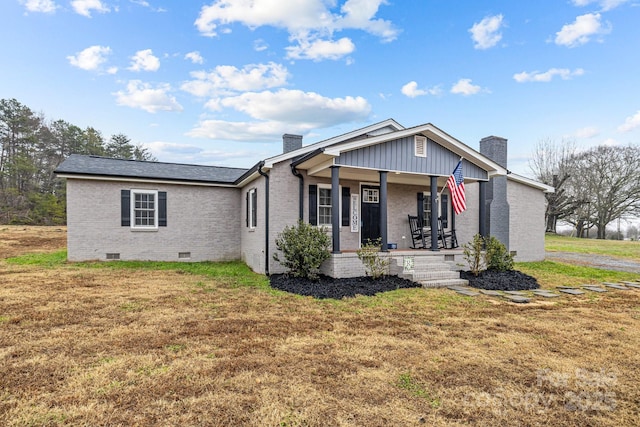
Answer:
(429, 268)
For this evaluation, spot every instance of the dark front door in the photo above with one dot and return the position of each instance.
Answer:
(370, 212)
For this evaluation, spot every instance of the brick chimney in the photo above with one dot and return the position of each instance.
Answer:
(291, 142)
(497, 206)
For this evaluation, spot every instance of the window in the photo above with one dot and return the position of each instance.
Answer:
(320, 205)
(252, 208)
(144, 209)
(444, 210)
(324, 206)
(420, 146)
(370, 195)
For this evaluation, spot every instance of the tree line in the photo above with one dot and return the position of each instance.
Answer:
(593, 187)
(31, 147)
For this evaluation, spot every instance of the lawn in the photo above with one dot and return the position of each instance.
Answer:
(616, 248)
(213, 344)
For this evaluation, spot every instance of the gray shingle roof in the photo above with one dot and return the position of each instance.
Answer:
(103, 166)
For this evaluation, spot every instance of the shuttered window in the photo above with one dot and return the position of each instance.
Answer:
(143, 209)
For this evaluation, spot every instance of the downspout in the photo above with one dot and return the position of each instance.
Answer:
(266, 217)
(300, 191)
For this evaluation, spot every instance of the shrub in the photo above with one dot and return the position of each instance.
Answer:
(303, 248)
(497, 257)
(374, 265)
(473, 254)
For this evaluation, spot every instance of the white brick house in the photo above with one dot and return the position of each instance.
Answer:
(375, 176)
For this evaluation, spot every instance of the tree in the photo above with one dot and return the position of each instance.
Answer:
(120, 147)
(607, 179)
(551, 165)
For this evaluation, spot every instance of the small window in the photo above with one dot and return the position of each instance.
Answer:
(252, 208)
(420, 146)
(370, 195)
(324, 206)
(144, 209)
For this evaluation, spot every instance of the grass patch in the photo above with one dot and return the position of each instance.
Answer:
(410, 384)
(615, 248)
(235, 273)
(551, 273)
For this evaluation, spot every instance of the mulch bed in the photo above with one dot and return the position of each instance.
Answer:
(501, 280)
(328, 287)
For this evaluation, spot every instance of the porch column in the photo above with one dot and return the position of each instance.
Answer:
(335, 208)
(434, 213)
(383, 211)
(482, 209)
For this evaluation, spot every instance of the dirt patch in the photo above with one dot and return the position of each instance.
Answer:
(501, 280)
(328, 287)
(18, 240)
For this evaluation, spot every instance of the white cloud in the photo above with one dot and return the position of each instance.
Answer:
(587, 132)
(547, 76)
(227, 79)
(604, 4)
(44, 6)
(144, 96)
(581, 30)
(144, 60)
(610, 142)
(296, 106)
(630, 123)
(90, 58)
(309, 22)
(486, 33)
(411, 90)
(260, 45)
(84, 7)
(284, 111)
(465, 87)
(194, 57)
(318, 50)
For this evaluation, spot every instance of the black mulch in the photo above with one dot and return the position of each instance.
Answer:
(327, 287)
(501, 280)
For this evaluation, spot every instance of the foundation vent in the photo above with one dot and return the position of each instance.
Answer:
(184, 255)
(113, 256)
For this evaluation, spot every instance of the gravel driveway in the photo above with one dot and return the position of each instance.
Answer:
(597, 261)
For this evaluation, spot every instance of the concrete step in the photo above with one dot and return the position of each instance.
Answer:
(419, 276)
(443, 283)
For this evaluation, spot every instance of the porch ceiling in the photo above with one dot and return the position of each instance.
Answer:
(373, 176)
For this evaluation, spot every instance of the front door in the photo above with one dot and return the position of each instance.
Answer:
(370, 213)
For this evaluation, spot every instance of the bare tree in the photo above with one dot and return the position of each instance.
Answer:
(551, 165)
(607, 180)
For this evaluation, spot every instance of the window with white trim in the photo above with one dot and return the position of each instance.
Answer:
(443, 206)
(144, 209)
(324, 206)
(252, 210)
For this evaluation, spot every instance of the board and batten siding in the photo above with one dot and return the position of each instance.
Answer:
(399, 155)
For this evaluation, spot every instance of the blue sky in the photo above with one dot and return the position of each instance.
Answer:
(219, 81)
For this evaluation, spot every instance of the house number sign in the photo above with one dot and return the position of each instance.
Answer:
(355, 217)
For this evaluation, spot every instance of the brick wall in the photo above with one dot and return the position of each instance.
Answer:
(203, 221)
(526, 221)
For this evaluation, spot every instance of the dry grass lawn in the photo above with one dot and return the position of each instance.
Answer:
(81, 345)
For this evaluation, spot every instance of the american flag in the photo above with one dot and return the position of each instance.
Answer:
(456, 188)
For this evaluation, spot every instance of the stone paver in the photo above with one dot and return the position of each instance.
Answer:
(517, 298)
(467, 292)
(593, 288)
(571, 291)
(519, 293)
(490, 292)
(615, 286)
(632, 285)
(545, 293)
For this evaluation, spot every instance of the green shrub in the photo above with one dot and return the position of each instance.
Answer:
(303, 248)
(374, 265)
(473, 254)
(487, 254)
(497, 257)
